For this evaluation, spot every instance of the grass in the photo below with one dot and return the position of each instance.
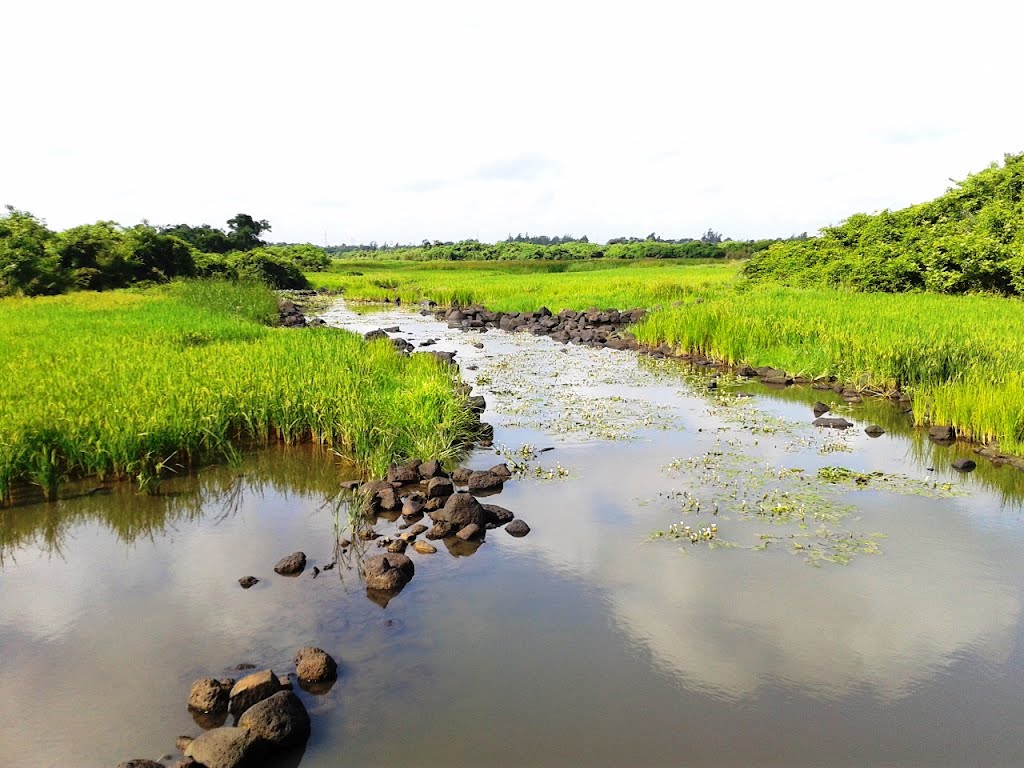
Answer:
(137, 384)
(959, 357)
(521, 286)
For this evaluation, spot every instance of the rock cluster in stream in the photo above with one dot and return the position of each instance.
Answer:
(269, 718)
(594, 327)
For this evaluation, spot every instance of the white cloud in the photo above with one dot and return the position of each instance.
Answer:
(755, 119)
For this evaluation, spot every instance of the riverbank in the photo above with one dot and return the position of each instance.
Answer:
(143, 384)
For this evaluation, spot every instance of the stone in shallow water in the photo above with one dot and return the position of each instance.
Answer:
(424, 547)
(387, 572)
(315, 665)
(964, 465)
(517, 528)
(291, 564)
(873, 430)
(208, 695)
(227, 748)
(252, 689)
(280, 720)
(832, 423)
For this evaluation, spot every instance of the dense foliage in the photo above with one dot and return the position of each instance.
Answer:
(970, 239)
(518, 250)
(36, 261)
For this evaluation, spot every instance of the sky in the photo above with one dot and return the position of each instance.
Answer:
(402, 121)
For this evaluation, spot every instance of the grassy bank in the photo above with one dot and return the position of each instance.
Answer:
(959, 357)
(129, 384)
(520, 286)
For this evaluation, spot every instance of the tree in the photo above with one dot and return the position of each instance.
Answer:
(25, 264)
(244, 232)
(711, 237)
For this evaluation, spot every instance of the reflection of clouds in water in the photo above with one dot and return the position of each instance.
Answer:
(731, 622)
(132, 627)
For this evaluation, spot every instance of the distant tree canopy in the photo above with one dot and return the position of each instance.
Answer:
(969, 239)
(37, 261)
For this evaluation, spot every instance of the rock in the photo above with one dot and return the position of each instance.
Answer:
(405, 473)
(484, 481)
(461, 475)
(941, 433)
(820, 408)
(388, 500)
(477, 403)
(424, 547)
(387, 572)
(182, 742)
(371, 488)
(964, 465)
(252, 689)
(248, 581)
(245, 665)
(460, 510)
(397, 546)
(431, 468)
(832, 423)
(439, 487)
(392, 329)
(440, 531)
(291, 565)
(517, 528)
(368, 534)
(471, 531)
(350, 485)
(315, 665)
(139, 762)
(501, 470)
(497, 516)
(281, 720)
(873, 430)
(316, 571)
(185, 762)
(208, 695)
(227, 748)
(374, 335)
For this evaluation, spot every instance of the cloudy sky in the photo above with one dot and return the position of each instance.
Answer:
(354, 121)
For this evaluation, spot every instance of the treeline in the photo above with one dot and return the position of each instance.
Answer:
(970, 239)
(474, 250)
(34, 260)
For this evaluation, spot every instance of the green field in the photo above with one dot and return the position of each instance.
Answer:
(959, 357)
(522, 286)
(140, 383)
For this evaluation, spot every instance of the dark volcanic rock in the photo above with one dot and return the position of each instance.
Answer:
(291, 565)
(375, 334)
(873, 430)
(517, 528)
(387, 572)
(964, 465)
(501, 470)
(440, 530)
(941, 433)
(460, 510)
(470, 532)
(404, 474)
(484, 481)
(461, 475)
(497, 516)
(139, 762)
(820, 408)
(832, 423)
(439, 488)
(431, 468)
(248, 581)
(280, 720)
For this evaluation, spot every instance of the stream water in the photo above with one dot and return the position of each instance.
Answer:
(837, 617)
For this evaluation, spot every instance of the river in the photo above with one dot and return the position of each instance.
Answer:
(859, 603)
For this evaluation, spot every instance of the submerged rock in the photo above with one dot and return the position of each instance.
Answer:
(832, 422)
(964, 465)
(874, 430)
(292, 564)
(280, 720)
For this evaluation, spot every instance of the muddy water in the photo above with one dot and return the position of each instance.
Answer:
(872, 621)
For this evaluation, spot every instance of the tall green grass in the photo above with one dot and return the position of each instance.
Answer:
(959, 357)
(518, 286)
(135, 384)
